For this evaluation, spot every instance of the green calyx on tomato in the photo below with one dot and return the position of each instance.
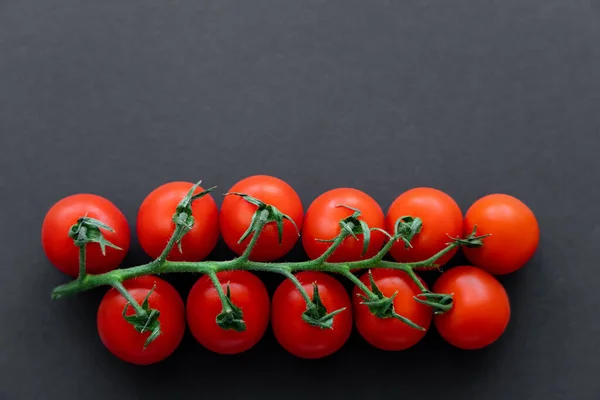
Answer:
(145, 319)
(87, 230)
(406, 228)
(183, 217)
(231, 316)
(264, 214)
(382, 306)
(353, 226)
(316, 313)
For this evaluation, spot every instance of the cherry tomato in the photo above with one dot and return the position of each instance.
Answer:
(480, 311)
(121, 338)
(155, 224)
(514, 233)
(236, 215)
(391, 333)
(297, 336)
(322, 222)
(441, 218)
(59, 247)
(204, 304)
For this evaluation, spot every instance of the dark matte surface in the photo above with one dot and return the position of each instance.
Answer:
(117, 97)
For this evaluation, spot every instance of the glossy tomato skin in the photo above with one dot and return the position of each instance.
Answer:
(236, 215)
(121, 338)
(322, 222)
(441, 217)
(514, 233)
(155, 223)
(480, 311)
(392, 334)
(204, 304)
(298, 337)
(59, 247)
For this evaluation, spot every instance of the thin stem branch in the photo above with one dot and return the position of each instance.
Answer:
(336, 243)
(354, 279)
(125, 293)
(82, 252)
(298, 285)
(260, 224)
(430, 262)
(217, 284)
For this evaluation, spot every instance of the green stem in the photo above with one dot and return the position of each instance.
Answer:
(298, 285)
(260, 224)
(336, 243)
(163, 256)
(345, 271)
(430, 262)
(82, 251)
(217, 284)
(125, 293)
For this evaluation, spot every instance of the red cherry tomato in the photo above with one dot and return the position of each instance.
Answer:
(236, 215)
(297, 336)
(59, 247)
(480, 311)
(155, 224)
(391, 333)
(322, 222)
(514, 233)
(121, 338)
(441, 218)
(204, 304)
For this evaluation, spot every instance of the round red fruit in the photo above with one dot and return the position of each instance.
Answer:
(299, 337)
(204, 304)
(236, 216)
(123, 340)
(514, 233)
(480, 310)
(391, 333)
(59, 246)
(322, 222)
(155, 224)
(441, 217)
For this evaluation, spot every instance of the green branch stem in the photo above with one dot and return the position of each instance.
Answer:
(82, 252)
(157, 267)
(125, 293)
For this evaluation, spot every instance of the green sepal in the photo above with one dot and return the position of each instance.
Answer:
(264, 214)
(146, 320)
(382, 306)
(353, 226)
(472, 240)
(183, 217)
(440, 302)
(406, 228)
(316, 313)
(88, 230)
(231, 316)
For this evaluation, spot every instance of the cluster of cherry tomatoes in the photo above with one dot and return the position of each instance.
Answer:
(480, 311)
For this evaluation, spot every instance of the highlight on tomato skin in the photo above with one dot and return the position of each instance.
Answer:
(514, 233)
(123, 340)
(442, 219)
(236, 215)
(60, 248)
(203, 305)
(293, 333)
(480, 310)
(322, 222)
(155, 224)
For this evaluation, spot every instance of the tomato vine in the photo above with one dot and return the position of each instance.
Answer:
(88, 230)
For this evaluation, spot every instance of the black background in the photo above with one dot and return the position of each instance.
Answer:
(118, 97)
